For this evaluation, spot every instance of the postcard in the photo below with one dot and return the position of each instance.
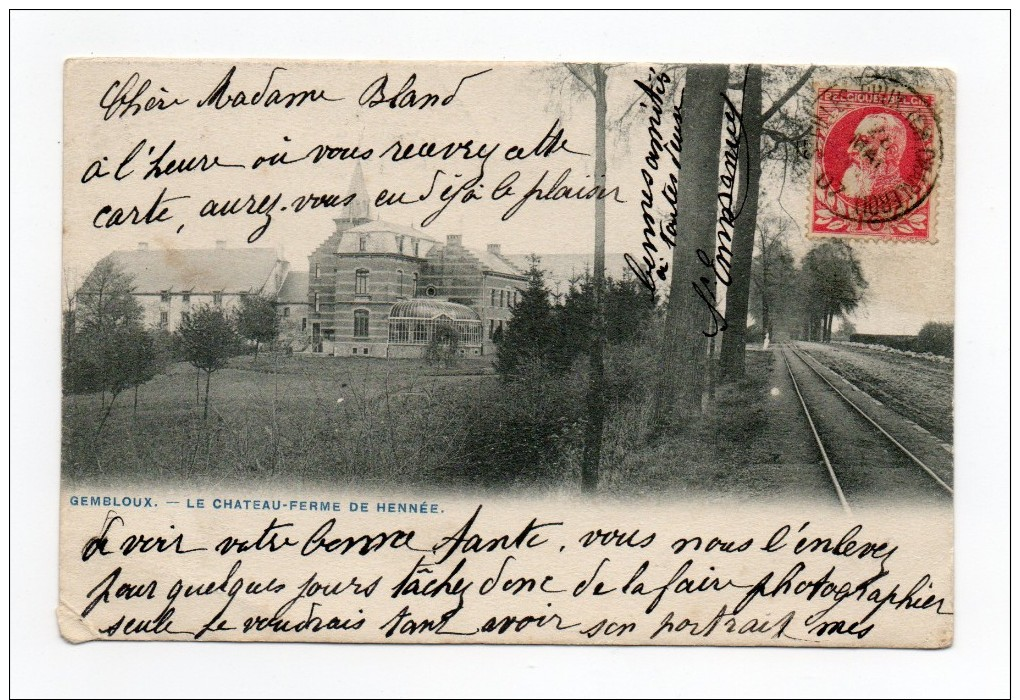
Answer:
(507, 353)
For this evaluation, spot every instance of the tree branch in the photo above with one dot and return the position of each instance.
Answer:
(767, 114)
(575, 70)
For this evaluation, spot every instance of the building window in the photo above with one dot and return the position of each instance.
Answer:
(416, 248)
(164, 319)
(304, 324)
(414, 284)
(492, 327)
(400, 283)
(317, 270)
(509, 297)
(316, 302)
(361, 282)
(164, 296)
(501, 298)
(286, 311)
(492, 297)
(400, 244)
(186, 298)
(362, 243)
(217, 298)
(360, 323)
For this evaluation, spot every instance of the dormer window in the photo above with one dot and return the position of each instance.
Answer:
(217, 298)
(416, 248)
(400, 244)
(362, 243)
(164, 296)
(317, 270)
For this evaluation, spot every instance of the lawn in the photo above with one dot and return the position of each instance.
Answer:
(292, 419)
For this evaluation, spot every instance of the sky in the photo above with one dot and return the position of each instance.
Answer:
(499, 109)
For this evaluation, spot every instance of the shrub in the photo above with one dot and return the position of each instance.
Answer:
(936, 338)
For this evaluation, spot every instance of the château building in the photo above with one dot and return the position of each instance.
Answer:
(372, 288)
(380, 289)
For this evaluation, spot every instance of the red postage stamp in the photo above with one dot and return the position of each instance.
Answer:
(875, 164)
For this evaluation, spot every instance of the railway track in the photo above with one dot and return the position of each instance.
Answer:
(932, 423)
(865, 460)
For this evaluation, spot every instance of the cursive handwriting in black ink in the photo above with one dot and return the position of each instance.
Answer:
(316, 154)
(659, 234)
(98, 544)
(463, 540)
(267, 96)
(251, 204)
(362, 545)
(722, 262)
(157, 213)
(560, 189)
(406, 97)
(124, 99)
(549, 145)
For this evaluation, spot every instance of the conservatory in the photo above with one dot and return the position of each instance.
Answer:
(413, 323)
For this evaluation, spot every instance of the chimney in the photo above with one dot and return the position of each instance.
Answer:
(453, 239)
(221, 245)
(493, 248)
(142, 245)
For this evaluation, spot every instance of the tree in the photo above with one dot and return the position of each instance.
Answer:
(833, 284)
(106, 349)
(592, 77)
(257, 320)
(784, 142)
(442, 347)
(207, 339)
(690, 308)
(773, 273)
(528, 337)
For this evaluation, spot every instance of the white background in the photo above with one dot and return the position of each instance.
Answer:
(974, 45)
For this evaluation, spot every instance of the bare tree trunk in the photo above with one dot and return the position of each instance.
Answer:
(106, 414)
(682, 381)
(134, 411)
(737, 296)
(592, 454)
(208, 376)
(198, 378)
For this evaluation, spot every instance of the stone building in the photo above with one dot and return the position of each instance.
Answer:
(362, 273)
(169, 282)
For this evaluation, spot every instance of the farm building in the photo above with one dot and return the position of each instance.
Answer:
(372, 289)
(169, 282)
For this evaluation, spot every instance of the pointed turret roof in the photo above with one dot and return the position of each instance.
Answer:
(361, 207)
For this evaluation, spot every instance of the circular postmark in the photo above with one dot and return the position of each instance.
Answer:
(878, 152)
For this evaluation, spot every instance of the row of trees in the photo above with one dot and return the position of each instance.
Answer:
(555, 334)
(108, 350)
(803, 301)
(771, 132)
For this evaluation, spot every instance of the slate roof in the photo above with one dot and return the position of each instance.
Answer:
(382, 237)
(294, 289)
(229, 270)
(497, 263)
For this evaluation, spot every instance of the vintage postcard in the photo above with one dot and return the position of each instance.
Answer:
(635, 354)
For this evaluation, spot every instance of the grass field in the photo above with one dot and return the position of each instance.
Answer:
(304, 419)
(402, 424)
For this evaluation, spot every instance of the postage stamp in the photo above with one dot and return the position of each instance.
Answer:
(505, 353)
(876, 161)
